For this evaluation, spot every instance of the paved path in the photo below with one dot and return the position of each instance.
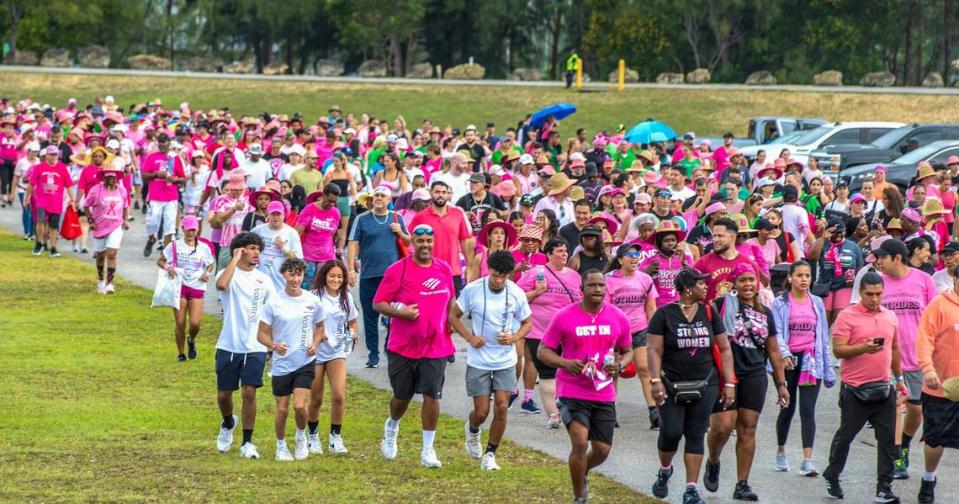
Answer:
(633, 459)
(592, 86)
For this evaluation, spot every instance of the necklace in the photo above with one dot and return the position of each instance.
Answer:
(385, 218)
(592, 315)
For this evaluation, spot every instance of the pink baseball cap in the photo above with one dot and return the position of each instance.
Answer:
(952, 160)
(190, 223)
(858, 198)
(911, 214)
(715, 207)
(643, 198)
(51, 150)
(881, 168)
(276, 207)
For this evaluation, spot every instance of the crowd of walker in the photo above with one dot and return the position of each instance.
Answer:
(566, 266)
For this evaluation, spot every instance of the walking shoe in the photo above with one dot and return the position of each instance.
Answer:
(148, 249)
(181, 358)
(388, 444)
(84, 251)
(336, 444)
(927, 492)
(313, 444)
(711, 477)
(191, 349)
(692, 496)
(661, 486)
(653, 419)
(580, 500)
(372, 362)
(76, 249)
(282, 453)
(833, 489)
(808, 470)
(488, 462)
(248, 451)
(428, 459)
(744, 493)
(54, 252)
(900, 468)
(110, 288)
(553, 421)
(473, 447)
(37, 249)
(301, 449)
(225, 440)
(781, 464)
(530, 408)
(885, 496)
(101, 287)
(512, 399)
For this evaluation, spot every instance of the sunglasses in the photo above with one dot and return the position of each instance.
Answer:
(633, 253)
(423, 231)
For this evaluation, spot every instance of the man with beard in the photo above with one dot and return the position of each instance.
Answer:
(163, 173)
(721, 262)
(453, 236)
(480, 201)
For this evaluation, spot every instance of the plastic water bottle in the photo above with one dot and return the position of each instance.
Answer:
(540, 273)
(610, 358)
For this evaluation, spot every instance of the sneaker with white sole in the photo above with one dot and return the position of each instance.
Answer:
(313, 444)
(300, 449)
(553, 421)
(225, 440)
(248, 451)
(808, 469)
(488, 462)
(388, 444)
(336, 444)
(282, 453)
(428, 459)
(473, 447)
(781, 464)
(101, 287)
(110, 289)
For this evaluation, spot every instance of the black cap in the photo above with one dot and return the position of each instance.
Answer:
(163, 138)
(951, 247)
(688, 277)
(527, 200)
(478, 177)
(763, 224)
(590, 231)
(836, 222)
(892, 248)
(332, 189)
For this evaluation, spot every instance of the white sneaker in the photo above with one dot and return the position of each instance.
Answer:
(248, 451)
(488, 462)
(336, 444)
(388, 445)
(428, 459)
(110, 289)
(300, 448)
(473, 448)
(313, 444)
(101, 287)
(282, 453)
(225, 440)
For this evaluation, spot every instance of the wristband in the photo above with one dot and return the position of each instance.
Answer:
(900, 379)
(730, 385)
(780, 384)
(273, 346)
(168, 267)
(653, 381)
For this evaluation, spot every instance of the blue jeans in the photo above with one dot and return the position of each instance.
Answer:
(26, 217)
(371, 319)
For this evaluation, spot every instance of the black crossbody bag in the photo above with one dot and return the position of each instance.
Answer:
(870, 393)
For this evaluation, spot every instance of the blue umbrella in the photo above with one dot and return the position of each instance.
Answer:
(649, 131)
(557, 110)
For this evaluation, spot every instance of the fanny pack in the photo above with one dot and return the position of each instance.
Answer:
(688, 391)
(871, 393)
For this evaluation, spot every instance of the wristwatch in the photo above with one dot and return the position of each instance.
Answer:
(653, 381)
(780, 384)
(900, 379)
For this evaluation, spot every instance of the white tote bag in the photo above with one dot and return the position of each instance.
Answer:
(167, 291)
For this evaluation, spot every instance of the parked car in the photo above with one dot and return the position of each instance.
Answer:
(885, 148)
(766, 129)
(828, 134)
(902, 170)
(738, 143)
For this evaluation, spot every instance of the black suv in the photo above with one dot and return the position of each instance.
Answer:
(885, 148)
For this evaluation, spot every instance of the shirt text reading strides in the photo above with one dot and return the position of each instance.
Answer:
(687, 345)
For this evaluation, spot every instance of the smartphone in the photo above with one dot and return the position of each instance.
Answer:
(879, 341)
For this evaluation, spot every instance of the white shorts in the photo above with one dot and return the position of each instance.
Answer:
(161, 213)
(110, 241)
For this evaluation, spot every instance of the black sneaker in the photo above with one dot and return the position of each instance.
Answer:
(53, 252)
(372, 363)
(692, 496)
(711, 477)
(927, 492)
(744, 493)
(661, 486)
(148, 249)
(37, 249)
(512, 399)
(451, 359)
(653, 419)
(885, 496)
(181, 358)
(833, 489)
(191, 352)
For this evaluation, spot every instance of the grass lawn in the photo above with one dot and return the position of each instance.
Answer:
(703, 111)
(96, 410)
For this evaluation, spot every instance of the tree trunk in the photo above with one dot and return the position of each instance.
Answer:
(396, 55)
(907, 57)
(946, 38)
(289, 55)
(554, 43)
(920, 30)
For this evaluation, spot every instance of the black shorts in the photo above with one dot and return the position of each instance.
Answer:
(639, 339)
(545, 372)
(750, 394)
(235, 369)
(415, 376)
(52, 219)
(598, 417)
(940, 421)
(302, 378)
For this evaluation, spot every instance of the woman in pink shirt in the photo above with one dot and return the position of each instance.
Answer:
(494, 236)
(317, 225)
(107, 206)
(666, 264)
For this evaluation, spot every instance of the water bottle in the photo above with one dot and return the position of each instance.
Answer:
(610, 358)
(540, 273)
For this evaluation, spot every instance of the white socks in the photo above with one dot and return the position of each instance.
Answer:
(928, 476)
(392, 424)
(428, 439)
(300, 433)
(280, 443)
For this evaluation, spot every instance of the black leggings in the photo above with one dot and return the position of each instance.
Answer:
(686, 420)
(807, 408)
(6, 177)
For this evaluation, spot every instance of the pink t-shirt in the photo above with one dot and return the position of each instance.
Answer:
(770, 250)
(88, 178)
(718, 270)
(49, 184)
(588, 337)
(450, 229)
(106, 208)
(430, 288)
(234, 225)
(161, 190)
(562, 289)
(802, 325)
(629, 294)
(665, 278)
(319, 232)
(907, 298)
(858, 325)
(534, 259)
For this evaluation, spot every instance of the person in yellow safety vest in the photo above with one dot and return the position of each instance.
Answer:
(572, 63)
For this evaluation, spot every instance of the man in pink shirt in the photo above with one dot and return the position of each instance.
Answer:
(866, 339)
(719, 263)
(453, 235)
(48, 183)
(164, 175)
(417, 293)
(589, 342)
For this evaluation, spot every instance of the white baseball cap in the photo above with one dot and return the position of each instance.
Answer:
(526, 159)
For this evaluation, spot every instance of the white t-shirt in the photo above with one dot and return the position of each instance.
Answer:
(271, 258)
(292, 320)
(287, 170)
(685, 193)
(194, 261)
(796, 221)
(193, 191)
(21, 169)
(490, 317)
(336, 326)
(243, 301)
(943, 281)
(459, 185)
(257, 173)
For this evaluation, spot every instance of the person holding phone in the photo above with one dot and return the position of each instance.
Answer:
(866, 339)
(839, 258)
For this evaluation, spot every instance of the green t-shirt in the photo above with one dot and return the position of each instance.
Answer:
(310, 180)
(625, 160)
(690, 164)
(812, 204)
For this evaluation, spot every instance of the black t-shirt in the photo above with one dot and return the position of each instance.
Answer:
(570, 233)
(701, 237)
(252, 220)
(479, 209)
(687, 346)
(752, 327)
(477, 152)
